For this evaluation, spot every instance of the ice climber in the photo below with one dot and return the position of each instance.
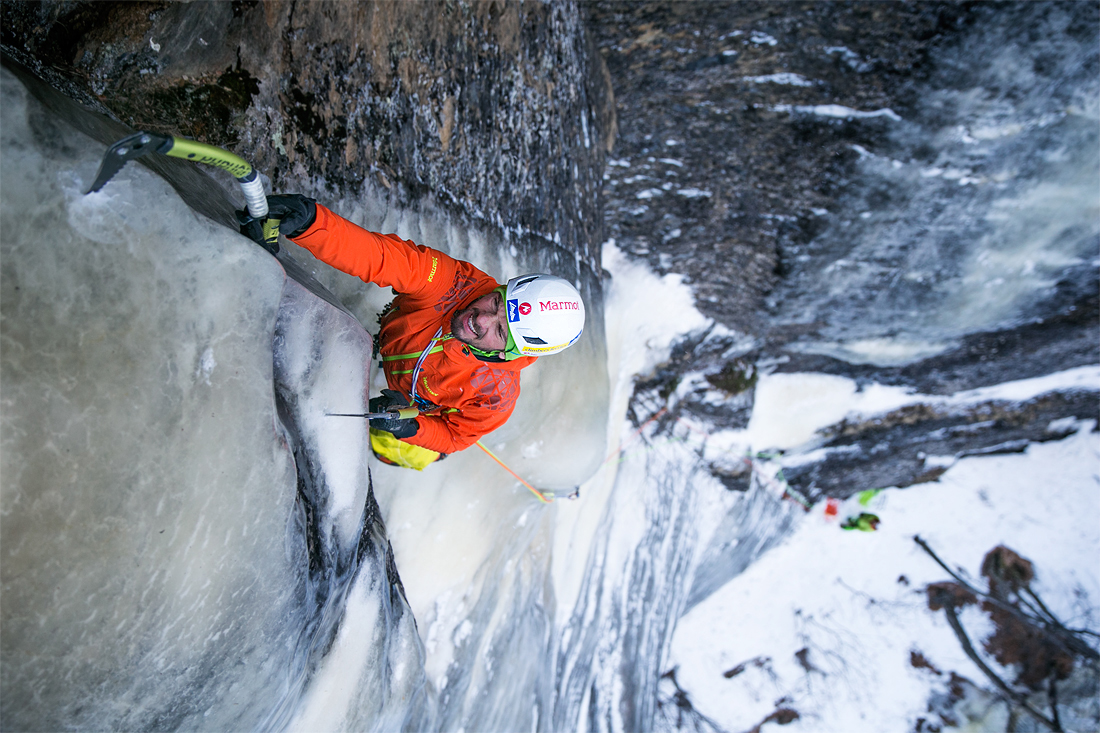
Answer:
(452, 342)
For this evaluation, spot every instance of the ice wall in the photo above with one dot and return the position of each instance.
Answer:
(189, 540)
(185, 531)
(148, 567)
(472, 544)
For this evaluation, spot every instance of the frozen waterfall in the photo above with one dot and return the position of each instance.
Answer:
(190, 542)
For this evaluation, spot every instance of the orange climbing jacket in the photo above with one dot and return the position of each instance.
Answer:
(463, 395)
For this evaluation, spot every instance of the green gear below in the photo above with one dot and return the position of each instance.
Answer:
(864, 522)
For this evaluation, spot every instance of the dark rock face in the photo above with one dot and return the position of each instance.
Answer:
(706, 178)
(893, 450)
(809, 167)
(1065, 340)
(727, 169)
(477, 104)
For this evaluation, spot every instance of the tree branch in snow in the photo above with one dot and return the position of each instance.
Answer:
(782, 716)
(686, 714)
(1027, 636)
(1019, 699)
(1052, 693)
(942, 564)
(1044, 618)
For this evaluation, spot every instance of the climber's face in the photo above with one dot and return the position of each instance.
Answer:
(483, 324)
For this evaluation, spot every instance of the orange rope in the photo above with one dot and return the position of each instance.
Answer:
(534, 491)
(542, 497)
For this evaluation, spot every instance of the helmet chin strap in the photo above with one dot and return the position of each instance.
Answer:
(505, 355)
(486, 354)
(511, 350)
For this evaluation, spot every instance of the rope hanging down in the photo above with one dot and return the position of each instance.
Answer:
(536, 492)
(541, 496)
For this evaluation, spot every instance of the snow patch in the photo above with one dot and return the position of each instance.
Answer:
(828, 620)
(787, 78)
(835, 110)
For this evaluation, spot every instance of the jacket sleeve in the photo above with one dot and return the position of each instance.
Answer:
(459, 430)
(382, 259)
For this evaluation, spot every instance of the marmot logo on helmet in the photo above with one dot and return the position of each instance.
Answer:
(559, 305)
(517, 309)
(525, 309)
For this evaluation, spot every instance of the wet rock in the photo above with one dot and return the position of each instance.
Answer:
(737, 477)
(720, 387)
(789, 160)
(707, 178)
(497, 110)
(910, 445)
(1064, 340)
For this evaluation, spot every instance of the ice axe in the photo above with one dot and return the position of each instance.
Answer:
(256, 223)
(406, 413)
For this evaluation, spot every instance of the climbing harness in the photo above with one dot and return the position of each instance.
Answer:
(140, 144)
(420, 363)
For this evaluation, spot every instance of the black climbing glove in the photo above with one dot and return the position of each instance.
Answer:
(391, 400)
(295, 212)
(254, 229)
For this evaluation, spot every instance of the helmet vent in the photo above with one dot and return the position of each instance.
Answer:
(533, 340)
(526, 280)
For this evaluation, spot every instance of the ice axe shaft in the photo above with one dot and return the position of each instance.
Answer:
(405, 413)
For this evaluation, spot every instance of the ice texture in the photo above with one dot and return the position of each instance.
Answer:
(190, 540)
(146, 486)
(185, 530)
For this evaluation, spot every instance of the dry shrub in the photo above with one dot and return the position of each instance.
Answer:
(1037, 653)
(941, 595)
(1006, 571)
(917, 660)
(783, 716)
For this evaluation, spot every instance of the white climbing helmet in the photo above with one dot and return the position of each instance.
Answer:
(545, 315)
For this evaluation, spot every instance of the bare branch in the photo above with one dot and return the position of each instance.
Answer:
(984, 595)
(1053, 619)
(1083, 631)
(964, 641)
(1054, 703)
(1069, 636)
(1046, 619)
(942, 564)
